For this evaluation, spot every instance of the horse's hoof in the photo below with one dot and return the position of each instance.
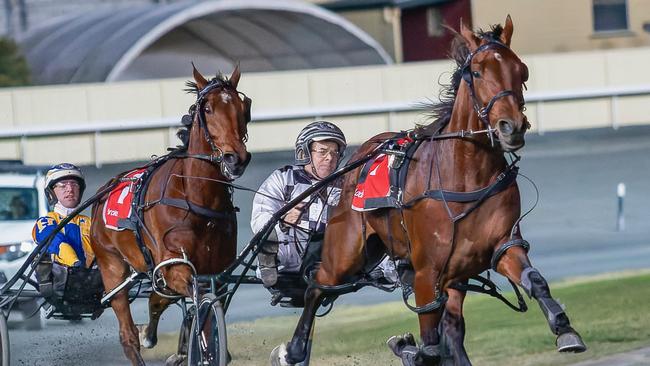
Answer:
(570, 342)
(175, 360)
(145, 341)
(278, 356)
(397, 343)
(409, 339)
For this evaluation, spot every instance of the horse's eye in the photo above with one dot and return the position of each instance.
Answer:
(207, 109)
(476, 74)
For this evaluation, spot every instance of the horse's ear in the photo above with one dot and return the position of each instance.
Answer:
(234, 78)
(506, 35)
(470, 38)
(198, 78)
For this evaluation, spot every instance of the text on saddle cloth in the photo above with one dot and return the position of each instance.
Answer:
(118, 206)
(377, 184)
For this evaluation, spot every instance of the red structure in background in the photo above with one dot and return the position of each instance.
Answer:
(418, 42)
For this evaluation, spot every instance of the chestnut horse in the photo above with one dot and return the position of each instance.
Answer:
(447, 240)
(185, 212)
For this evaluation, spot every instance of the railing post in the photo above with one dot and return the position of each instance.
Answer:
(620, 217)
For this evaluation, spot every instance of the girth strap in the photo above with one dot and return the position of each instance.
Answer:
(200, 210)
(501, 183)
(505, 246)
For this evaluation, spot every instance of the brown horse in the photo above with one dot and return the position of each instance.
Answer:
(448, 239)
(184, 211)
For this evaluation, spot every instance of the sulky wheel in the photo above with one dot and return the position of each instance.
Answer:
(207, 338)
(4, 339)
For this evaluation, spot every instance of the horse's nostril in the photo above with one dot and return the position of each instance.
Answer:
(230, 158)
(505, 127)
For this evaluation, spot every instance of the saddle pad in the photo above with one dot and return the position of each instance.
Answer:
(118, 204)
(373, 189)
(374, 186)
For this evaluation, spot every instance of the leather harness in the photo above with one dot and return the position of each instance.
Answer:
(136, 222)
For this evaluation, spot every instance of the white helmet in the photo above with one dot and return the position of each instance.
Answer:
(58, 173)
(318, 131)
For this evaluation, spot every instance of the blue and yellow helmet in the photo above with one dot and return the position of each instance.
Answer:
(60, 172)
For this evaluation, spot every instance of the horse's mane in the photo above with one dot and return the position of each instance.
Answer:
(192, 88)
(440, 112)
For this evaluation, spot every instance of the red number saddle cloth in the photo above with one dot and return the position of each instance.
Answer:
(118, 205)
(373, 189)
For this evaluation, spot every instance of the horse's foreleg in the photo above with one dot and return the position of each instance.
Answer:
(515, 265)
(128, 331)
(149, 332)
(429, 352)
(297, 347)
(114, 271)
(341, 256)
(453, 329)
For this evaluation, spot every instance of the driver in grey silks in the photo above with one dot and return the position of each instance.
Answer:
(319, 149)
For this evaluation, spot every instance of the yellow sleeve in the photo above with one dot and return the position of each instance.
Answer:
(84, 226)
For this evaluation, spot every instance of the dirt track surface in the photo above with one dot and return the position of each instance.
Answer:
(639, 357)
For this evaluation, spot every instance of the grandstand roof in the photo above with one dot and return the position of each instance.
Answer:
(159, 41)
(344, 5)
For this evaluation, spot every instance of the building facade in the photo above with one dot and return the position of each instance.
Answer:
(552, 26)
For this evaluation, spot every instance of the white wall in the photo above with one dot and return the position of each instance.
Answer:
(34, 108)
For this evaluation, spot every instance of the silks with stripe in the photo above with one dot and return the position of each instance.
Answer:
(71, 245)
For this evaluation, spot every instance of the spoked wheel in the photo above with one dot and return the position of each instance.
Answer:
(4, 340)
(207, 338)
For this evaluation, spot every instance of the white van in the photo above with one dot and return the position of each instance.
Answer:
(22, 201)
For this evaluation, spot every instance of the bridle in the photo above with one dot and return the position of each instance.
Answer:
(483, 112)
(216, 153)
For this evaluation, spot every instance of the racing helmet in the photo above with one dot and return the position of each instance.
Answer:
(317, 131)
(58, 173)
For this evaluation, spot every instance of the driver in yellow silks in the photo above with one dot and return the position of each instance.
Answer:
(64, 187)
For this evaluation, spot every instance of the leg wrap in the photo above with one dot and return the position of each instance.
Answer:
(430, 354)
(535, 286)
(557, 319)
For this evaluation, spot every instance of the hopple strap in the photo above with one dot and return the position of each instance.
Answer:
(504, 247)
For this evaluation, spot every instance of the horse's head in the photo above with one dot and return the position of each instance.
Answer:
(222, 114)
(495, 77)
